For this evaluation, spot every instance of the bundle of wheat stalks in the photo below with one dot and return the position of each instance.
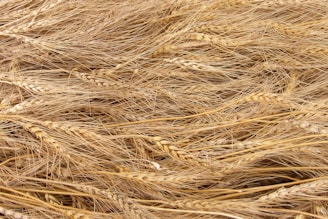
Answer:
(163, 109)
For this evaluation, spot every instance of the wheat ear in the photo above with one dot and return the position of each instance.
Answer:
(29, 86)
(193, 204)
(69, 129)
(166, 49)
(51, 199)
(308, 126)
(213, 39)
(316, 187)
(77, 203)
(177, 153)
(23, 105)
(269, 98)
(71, 214)
(321, 52)
(210, 28)
(44, 137)
(33, 24)
(299, 216)
(90, 78)
(29, 40)
(192, 65)
(280, 3)
(75, 215)
(291, 31)
(14, 214)
(229, 3)
(151, 177)
(131, 208)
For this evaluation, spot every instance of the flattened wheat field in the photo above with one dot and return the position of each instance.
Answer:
(151, 109)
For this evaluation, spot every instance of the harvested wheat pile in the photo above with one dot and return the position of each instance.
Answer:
(163, 109)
